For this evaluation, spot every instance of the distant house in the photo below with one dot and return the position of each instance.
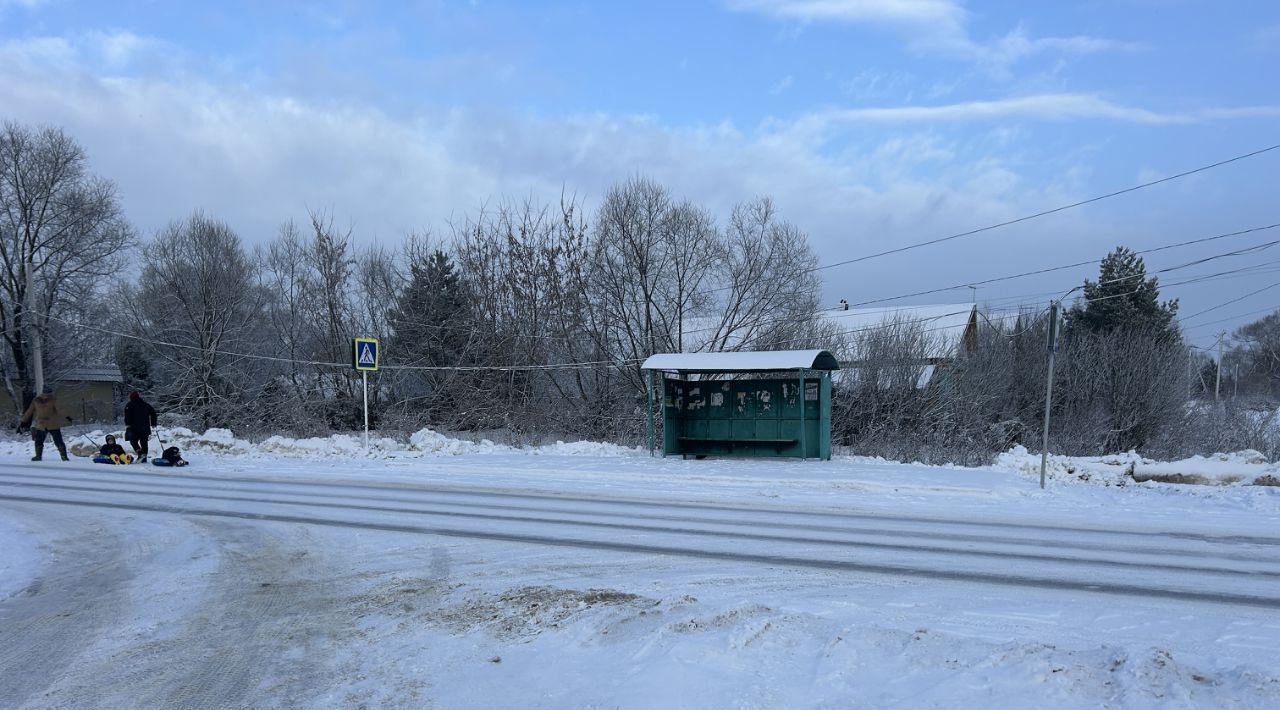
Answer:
(88, 394)
(946, 330)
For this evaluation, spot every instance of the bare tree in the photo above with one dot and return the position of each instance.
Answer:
(284, 276)
(527, 271)
(1254, 358)
(632, 265)
(199, 312)
(769, 281)
(882, 397)
(691, 257)
(61, 233)
(1116, 391)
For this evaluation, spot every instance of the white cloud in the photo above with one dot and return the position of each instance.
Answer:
(782, 85)
(937, 27)
(875, 84)
(114, 50)
(943, 16)
(1001, 53)
(176, 144)
(121, 48)
(1041, 107)
(816, 125)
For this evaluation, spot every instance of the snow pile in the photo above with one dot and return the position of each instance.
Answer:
(213, 440)
(344, 445)
(1242, 467)
(433, 443)
(1114, 470)
(588, 448)
(1248, 466)
(426, 443)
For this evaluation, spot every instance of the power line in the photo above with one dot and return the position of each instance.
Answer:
(1227, 303)
(319, 363)
(1025, 218)
(1197, 262)
(1231, 318)
(622, 362)
(1064, 267)
(900, 322)
(1203, 277)
(1044, 213)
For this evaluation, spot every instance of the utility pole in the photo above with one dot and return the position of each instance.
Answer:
(1191, 387)
(1217, 385)
(33, 329)
(1048, 390)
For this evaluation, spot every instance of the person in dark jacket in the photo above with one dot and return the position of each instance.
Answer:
(139, 417)
(44, 415)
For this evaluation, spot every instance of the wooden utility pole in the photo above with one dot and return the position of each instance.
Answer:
(1048, 390)
(1217, 384)
(33, 330)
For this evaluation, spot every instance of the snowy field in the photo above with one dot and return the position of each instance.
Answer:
(441, 573)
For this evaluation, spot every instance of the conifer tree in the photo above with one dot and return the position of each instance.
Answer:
(431, 328)
(1124, 299)
(429, 319)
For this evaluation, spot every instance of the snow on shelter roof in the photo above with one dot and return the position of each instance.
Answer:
(751, 361)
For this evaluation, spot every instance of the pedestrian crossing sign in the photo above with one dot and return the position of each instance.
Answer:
(364, 354)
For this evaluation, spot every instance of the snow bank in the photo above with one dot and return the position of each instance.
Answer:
(1222, 469)
(426, 443)
(433, 443)
(1239, 468)
(587, 448)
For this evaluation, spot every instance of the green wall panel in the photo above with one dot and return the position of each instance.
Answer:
(752, 418)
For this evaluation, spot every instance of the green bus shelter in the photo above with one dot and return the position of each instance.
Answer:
(773, 403)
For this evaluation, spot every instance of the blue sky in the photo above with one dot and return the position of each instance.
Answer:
(872, 123)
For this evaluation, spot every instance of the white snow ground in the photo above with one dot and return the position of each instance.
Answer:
(450, 574)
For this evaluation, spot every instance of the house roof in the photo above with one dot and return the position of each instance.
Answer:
(98, 373)
(751, 361)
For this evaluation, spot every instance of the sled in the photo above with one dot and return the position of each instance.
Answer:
(107, 460)
(167, 463)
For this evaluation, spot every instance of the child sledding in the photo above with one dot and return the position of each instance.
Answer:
(112, 453)
(170, 457)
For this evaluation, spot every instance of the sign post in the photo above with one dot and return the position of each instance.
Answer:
(364, 358)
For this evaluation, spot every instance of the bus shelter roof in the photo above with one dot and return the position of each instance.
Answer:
(750, 361)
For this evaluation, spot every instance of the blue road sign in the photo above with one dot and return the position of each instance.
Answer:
(364, 354)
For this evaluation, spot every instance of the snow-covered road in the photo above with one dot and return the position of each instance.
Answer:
(467, 585)
(1227, 569)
